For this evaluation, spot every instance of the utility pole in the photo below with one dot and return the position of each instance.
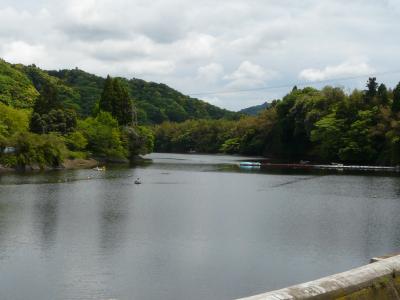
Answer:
(134, 115)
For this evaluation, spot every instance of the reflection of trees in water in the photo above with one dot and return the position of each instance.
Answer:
(382, 230)
(46, 214)
(6, 217)
(113, 221)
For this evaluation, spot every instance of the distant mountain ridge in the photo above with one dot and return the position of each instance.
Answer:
(155, 102)
(255, 110)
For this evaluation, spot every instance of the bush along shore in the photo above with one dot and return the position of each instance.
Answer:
(51, 136)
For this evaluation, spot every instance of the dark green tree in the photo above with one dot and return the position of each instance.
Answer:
(383, 95)
(116, 100)
(47, 100)
(57, 120)
(122, 105)
(371, 91)
(107, 96)
(37, 124)
(396, 99)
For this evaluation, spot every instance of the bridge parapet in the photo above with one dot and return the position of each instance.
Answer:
(378, 280)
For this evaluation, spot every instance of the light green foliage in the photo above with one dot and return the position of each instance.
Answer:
(230, 146)
(13, 120)
(357, 146)
(76, 141)
(15, 87)
(47, 150)
(103, 135)
(327, 135)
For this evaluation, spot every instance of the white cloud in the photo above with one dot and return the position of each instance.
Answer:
(192, 44)
(157, 67)
(249, 75)
(346, 69)
(22, 52)
(210, 73)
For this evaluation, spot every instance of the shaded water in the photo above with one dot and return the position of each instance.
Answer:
(196, 228)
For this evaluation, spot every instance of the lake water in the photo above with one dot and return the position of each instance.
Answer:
(196, 228)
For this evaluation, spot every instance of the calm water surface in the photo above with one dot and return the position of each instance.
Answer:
(196, 228)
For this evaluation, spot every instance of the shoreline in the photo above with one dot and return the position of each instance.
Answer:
(68, 164)
(75, 164)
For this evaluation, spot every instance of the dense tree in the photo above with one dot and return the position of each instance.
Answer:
(371, 90)
(123, 104)
(115, 99)
(396, 99)
(48, 100)
(137, 140)
(106, 102)
(42, 150)
(103, 135)
(13, 120)
(16, 89)
(382, 94)
(57, 120)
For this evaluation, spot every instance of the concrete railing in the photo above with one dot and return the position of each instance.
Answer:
(378, 280)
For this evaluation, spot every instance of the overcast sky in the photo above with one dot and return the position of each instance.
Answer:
(209, 46)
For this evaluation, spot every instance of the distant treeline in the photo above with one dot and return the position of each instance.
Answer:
(328, 125)
(47, 116)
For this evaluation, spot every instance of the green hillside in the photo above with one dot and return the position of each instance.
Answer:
(156, 102)
(77, 89)
(88, 86)
(255, 110)
(16, 89)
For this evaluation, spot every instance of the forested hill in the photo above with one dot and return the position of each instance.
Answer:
(19, 86)
(327, 125)
(255, 110)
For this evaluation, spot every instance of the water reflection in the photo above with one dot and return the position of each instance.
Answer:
(46, 201)
(189, 231)
(114, 214)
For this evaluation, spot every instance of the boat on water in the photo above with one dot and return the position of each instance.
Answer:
(103, 168)
(250, 164)
(137, 181)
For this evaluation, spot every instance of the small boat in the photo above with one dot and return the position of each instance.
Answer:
(336, 164)
(99, 168)
(249, 165)
(137, 181)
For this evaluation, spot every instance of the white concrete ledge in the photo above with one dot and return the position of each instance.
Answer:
(376, 277)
